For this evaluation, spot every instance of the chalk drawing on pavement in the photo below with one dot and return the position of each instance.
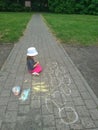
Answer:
(57, 86)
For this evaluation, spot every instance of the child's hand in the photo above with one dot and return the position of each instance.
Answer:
(37, 62)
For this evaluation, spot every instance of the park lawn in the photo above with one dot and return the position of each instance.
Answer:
(74, 29)
(12, 26)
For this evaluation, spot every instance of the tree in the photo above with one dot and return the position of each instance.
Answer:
(39, 5)
(61, 6)
(93, 7)
(57, 6)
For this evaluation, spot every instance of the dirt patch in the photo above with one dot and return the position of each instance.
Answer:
(4, 52)
(86, 60)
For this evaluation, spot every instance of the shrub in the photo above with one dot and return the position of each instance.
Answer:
(15, 7)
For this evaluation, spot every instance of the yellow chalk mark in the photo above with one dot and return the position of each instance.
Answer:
(40, 87)
(41, 83)
(37, 89)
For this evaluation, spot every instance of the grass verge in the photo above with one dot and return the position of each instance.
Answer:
(12, 26)
(74, 29)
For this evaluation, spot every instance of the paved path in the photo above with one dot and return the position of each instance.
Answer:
(59, 99)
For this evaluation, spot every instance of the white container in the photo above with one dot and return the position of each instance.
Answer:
(16, 90)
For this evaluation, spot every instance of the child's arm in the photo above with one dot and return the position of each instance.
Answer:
(36, 63)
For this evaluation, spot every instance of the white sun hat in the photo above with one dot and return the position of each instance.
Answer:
(32, 51)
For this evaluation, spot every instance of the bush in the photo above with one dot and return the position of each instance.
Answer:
(15, 7)
(3, 6)
(27, 9)
(65, 6)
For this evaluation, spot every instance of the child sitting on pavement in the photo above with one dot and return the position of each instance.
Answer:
(33, 66)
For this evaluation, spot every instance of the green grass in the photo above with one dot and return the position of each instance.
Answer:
(74, 29)
(12, 26)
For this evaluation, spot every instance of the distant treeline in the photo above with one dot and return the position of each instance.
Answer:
(57, 6)
(74, 6)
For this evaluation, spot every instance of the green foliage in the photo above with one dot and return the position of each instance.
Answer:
(15, 7)
(39, 5)
(3, 5)
(93, 7)
(61, 6)
(86, 7)
(74, 6)
(57, 6)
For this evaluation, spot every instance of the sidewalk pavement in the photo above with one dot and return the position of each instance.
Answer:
(59, 99)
